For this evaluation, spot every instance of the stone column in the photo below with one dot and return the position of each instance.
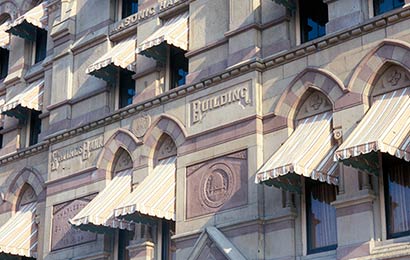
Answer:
(142, 247)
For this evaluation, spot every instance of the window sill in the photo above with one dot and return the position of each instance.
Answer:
(331, 254)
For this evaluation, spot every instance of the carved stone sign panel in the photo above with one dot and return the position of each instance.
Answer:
(218, 184)
(64, 158)
(63, 234)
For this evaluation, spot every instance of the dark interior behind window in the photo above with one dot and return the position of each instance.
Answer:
(178, 67)
(129, 7)
(382, 6)
(397, 196)
(313, 18)
(321, 216)
(40, 45)
(4, 63)
(127, 88)
(35, 126)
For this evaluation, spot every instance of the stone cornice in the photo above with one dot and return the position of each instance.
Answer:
(234, 71)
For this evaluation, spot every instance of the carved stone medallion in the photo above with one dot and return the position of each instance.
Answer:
(216, 185)
(392, 78)
(140, 125)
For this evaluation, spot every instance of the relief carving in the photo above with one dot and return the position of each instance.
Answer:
(392, 78)
(140, 125)
(167, 148)
(216, 185)
(28, 196)
(124, 161)
(314, 104)
(63, 234)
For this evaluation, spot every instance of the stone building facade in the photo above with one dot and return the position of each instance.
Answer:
(205, 129)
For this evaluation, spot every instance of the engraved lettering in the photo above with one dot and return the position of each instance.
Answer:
(199, 108)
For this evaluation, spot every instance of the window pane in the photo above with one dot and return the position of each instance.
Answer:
(35, 127)
(382, 6)
(397, 178)
(127, 88)
(313, 19)
(321, 216)
(179, 67)
(4, 63)
(41, 45)
(129, 7)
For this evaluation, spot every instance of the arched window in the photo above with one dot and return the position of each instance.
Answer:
(320, 214)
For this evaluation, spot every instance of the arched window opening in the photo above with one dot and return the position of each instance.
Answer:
(165, 149)
(122, 161)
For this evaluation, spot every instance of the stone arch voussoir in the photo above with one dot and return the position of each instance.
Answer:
(310, 78)
(121, 139)
(16, 182)
(164, 124)
(389, 51)
(9, 7)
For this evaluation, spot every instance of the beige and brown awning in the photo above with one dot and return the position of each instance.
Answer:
(122, 55)
(173, 32)
(24, 26)
(99, 213)
(18, 236)
(30, 98)
(4, 35)
(384, 128)
(307, 152)
(154, 197)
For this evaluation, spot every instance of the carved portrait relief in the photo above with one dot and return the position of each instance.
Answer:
(216, 185)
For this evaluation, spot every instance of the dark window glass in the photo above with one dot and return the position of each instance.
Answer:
(382, 6)
(1, 138)
(127, 88)
(167, 250)
(35, 126)
(41, 45)
(397, 196)
(4, 63)
(124, 238)
(178, 67)
(313, 19)
(321, 216)
(129, 7)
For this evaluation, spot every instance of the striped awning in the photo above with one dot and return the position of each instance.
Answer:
(24, 26)
(154, 197)
(122, 55)
(99, 213)
(18, 236)
(4, 35)
(384, 128)
(30, 98)
(307, 152)
(173, 32)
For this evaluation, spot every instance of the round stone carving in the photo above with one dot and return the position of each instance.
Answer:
(217, 185)
(140, 125)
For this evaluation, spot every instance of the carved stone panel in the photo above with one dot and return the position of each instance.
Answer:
(218, 184)
(392, 78)
(314, 104)
(63, 234)
(140, 125)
